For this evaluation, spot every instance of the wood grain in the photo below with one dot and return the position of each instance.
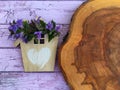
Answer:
(96, 54)
(32, 81)
(90, 57)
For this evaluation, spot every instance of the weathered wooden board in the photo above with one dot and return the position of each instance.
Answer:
(12, 76)
(60, 11)
(90, 58)
(32, 81)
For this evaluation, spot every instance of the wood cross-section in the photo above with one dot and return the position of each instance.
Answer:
(90, 58)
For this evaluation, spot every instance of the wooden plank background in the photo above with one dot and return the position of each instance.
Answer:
(12, 75)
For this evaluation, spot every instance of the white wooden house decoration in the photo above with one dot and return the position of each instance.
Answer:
(38, 56)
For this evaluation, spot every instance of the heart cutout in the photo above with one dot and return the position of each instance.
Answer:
(40, 57)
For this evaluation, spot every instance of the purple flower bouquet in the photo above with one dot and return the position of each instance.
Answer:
(34, 29)
(38, 41)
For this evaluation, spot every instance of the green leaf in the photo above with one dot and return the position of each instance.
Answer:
(54, 24)
(30, 37)
(26, 26)
(35, 41)
(50, 36)
(45, 31)
(18, 31)
(43, 24)
(38, 26)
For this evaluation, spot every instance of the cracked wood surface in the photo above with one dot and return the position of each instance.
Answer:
(12, 76)
(101, 46)
(32, 81)
(60, 11)
(90, 59)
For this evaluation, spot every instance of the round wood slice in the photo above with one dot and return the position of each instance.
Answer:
(90, 58)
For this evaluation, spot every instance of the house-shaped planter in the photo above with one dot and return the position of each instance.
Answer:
(40, 56)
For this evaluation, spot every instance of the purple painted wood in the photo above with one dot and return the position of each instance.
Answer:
(60, 11)
(12, 76)
(32, 81)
